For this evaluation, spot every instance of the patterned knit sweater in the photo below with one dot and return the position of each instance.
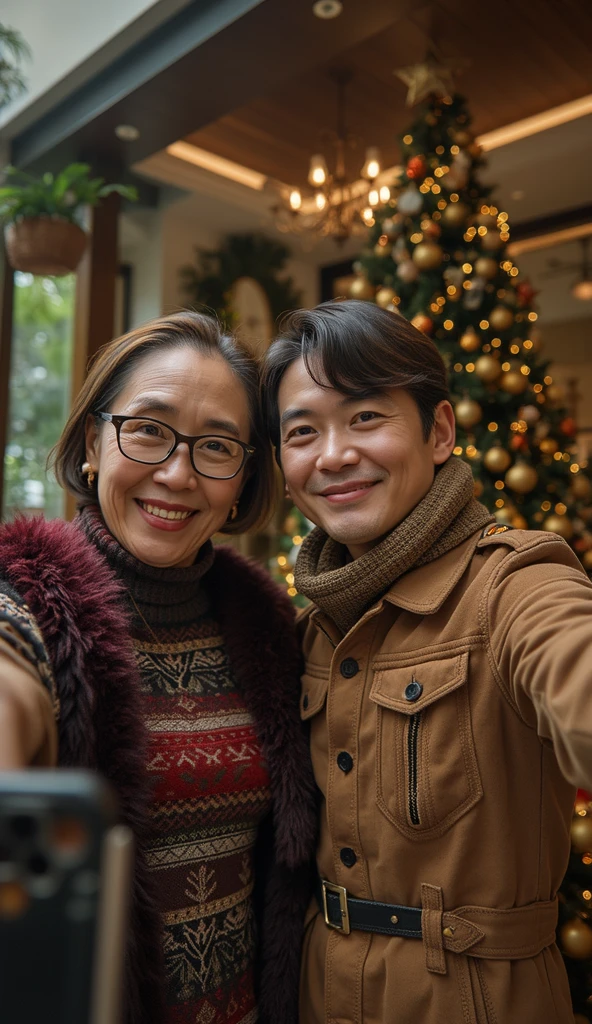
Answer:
(210, 784)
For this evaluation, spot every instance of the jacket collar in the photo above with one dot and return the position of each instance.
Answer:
(425, 590)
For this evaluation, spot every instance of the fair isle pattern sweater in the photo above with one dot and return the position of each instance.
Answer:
(210, 787)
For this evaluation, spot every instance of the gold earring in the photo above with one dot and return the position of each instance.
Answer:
(89, 473)
(233, 512)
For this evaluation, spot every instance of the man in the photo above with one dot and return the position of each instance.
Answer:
(447, 686)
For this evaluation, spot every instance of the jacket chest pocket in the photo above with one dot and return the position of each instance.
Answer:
(427, 774)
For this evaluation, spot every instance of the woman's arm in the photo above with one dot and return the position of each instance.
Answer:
(28, 734)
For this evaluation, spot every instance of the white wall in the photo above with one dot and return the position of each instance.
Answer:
(158, 243)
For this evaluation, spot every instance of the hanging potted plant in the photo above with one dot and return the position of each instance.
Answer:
(41, 216)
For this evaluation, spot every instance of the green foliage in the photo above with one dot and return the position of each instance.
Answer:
(248, 255)
(467, 284)
(39, 389)
(13, 49)
(62, 195)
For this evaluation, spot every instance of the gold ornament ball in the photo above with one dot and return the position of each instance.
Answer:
(514, 382)
(521, 478)
(290, 525)
(497, 459)
(504, 515)
(455, 215)
(361, 288)
(519, 522)
(469, 341)
(555, 394)
(488, 368)
(581, 487)
(486, 267)
(486, 220)
(560, 525)
(427, 255)
(576, 939)
(462, 137)
(548, 446)
(491, 242)
(501, 318)
(581, 833)
(384, 297)
(468, 413)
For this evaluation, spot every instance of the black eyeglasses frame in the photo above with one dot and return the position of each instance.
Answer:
(188, 439)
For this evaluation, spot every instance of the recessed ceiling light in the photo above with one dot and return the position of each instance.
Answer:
(327, 9)
(127, 132)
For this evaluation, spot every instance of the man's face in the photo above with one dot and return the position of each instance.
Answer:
(357, 466)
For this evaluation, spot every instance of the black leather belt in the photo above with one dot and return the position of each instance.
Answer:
(344, 912)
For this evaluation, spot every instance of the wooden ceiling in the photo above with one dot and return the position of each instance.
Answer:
(525, 57)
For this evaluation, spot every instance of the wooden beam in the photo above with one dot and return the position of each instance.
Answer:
(6, 308)
(94, 308)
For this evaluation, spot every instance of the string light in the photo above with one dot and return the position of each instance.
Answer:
(492, 427)
(496, 342)
(408, 139)
(470, 367)
(484, 324)
(499, 485)
(457, 451)
(448, 325)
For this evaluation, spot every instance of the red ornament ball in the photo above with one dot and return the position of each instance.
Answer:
(568, 426)
(416, 168)
(518, 443)
(422, 322)
(525, 293)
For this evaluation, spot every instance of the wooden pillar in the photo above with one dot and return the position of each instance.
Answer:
(94, 309)
(6, 307)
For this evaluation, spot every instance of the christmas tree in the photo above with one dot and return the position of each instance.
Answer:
(437, 254)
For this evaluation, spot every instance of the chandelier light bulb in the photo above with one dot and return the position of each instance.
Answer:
(317, 174)
(367, 214)
(385, 194)
(320, 201)
(295, 199)
(582, 289)
(371, 168)
(373, 197)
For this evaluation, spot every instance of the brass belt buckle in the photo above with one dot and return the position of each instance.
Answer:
(340, 891)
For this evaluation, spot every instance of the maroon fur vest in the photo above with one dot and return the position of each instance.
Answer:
(79, 606)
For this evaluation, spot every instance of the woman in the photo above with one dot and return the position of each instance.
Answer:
(170, 667)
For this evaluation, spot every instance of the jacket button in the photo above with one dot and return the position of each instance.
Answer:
(345, 761)
(413, 690)
(348, 856)
(305, 701)
(349, 667)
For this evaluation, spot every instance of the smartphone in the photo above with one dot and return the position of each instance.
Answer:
(65, 870)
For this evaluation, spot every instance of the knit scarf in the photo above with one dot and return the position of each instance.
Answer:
(444, 518)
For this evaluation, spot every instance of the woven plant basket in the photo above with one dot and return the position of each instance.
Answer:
(45, 245)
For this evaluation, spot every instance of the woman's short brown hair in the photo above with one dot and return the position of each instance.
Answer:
(355, 347)
(111, 370)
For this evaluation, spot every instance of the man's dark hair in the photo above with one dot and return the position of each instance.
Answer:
(356, 348)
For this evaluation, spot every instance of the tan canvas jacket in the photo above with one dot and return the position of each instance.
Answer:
(458, 801)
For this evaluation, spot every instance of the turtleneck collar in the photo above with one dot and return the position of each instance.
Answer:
(444, 518)
(166, 597)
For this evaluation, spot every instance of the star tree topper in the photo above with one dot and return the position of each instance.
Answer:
(435, 75)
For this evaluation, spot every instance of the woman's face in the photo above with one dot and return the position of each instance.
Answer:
(196, 394)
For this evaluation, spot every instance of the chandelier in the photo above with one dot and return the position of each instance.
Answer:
(333, 206)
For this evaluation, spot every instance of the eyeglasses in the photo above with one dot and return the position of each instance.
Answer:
(151, 442)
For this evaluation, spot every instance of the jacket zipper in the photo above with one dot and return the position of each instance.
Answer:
(412, 736)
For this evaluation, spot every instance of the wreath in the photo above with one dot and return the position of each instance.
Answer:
(254, 255)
